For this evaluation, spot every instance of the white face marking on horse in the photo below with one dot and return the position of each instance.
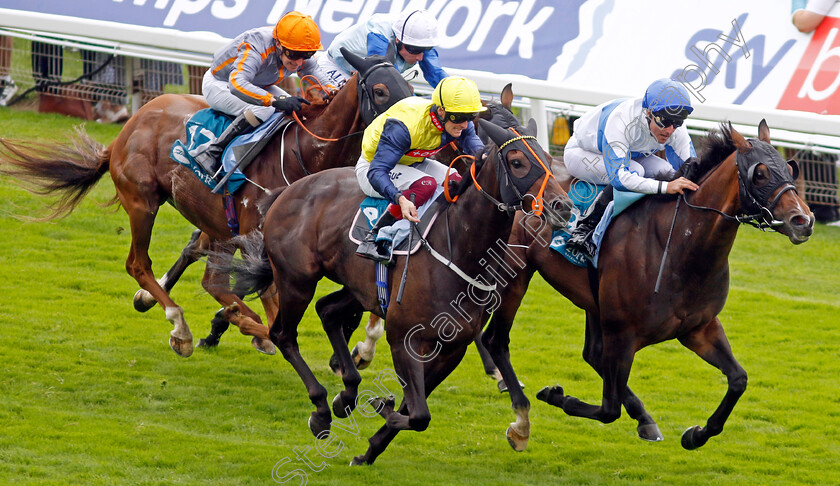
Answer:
(245, 202)
(687, 233)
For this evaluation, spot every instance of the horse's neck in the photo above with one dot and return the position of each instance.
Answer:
(341, 117)
(711, 233)
(476, 220)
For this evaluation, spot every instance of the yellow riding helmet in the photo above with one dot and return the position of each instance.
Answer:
(298, 32)
(456, 94)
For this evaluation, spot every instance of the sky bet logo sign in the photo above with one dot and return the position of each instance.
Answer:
(814, 85)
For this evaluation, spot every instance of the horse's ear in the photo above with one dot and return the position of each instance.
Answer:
(496, 133)
(740, 142)
(507, 96)
(357, 62)
(794, 168)
(532, 127)
(763, 131)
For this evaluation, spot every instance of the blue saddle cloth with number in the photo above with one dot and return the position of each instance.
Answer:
(582, 195)
(202, 129)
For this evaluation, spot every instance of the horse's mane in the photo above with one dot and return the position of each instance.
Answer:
(718, 146)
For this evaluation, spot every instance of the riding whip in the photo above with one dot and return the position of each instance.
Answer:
(667, 246)
(412, 226)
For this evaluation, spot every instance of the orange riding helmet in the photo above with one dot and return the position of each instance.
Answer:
(298, 32)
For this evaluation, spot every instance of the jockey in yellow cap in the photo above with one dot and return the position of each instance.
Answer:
(396, 147)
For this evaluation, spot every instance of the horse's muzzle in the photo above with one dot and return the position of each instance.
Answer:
(799, 227)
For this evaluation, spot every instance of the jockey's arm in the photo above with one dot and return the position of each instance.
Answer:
(469, 141)
(615, 157)
(377, 44)
(248, 64)
(394, 142)
(430, 65)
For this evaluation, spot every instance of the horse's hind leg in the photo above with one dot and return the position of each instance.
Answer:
(592, 354)
(195, 249)
(217, 284)
(364, 351)
(710, 343)
(139, 265)
(338, 311)
(294, 297)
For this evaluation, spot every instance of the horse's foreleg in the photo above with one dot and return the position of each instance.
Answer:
(647, 429)
(340, 310)
(139, 265)
(616, 363)
(294, 298)
(217, 284)
(364, 351)
(195, 249)
(496, 338)
(380, 440)
(710, 343)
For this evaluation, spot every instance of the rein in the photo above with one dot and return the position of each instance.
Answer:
(762, 220)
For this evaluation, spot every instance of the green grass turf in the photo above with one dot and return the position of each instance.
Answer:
(90, 392)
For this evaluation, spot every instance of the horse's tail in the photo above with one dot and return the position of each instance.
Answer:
(69, 171)
(252, 273)
(265, 202)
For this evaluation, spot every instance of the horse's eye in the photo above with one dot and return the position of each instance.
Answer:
(516, 163)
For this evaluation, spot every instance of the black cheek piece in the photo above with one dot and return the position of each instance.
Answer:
(377, 75)
(755, 201)
(512, 189)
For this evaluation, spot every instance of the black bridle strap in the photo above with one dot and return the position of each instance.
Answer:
(750, 219)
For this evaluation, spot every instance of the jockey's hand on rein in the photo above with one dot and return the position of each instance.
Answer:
(289, 103)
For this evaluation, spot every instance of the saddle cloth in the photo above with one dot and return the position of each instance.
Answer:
(372, 207)
(582, 195)
(204, 127)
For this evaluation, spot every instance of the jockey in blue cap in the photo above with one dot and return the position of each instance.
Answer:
(616, 144)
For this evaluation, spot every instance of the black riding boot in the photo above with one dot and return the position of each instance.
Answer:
(369, 248)
(210, 159)
(581, 237)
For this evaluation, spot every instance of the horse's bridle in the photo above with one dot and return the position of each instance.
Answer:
(753, 212)
(510, 187)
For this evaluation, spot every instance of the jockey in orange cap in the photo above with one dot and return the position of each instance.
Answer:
(242, 78)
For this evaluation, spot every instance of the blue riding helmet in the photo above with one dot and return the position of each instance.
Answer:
(669, 96)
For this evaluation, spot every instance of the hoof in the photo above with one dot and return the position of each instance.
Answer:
(359, 461)
(517, 441)
(504, 389)
(383, 406)
(340, 410)
(552, 395)
(143, 301)
(335, 366)
(360, 362)
(182, 347)
(649, 432)
(688, 441)
(264, 346)
(316, 425)
(209, 342)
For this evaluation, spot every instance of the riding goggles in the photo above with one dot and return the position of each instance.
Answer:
(664, 120)
(458, 118)
(415, 50)
(297, 55)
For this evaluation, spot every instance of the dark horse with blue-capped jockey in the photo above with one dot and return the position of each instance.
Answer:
(674, 250)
